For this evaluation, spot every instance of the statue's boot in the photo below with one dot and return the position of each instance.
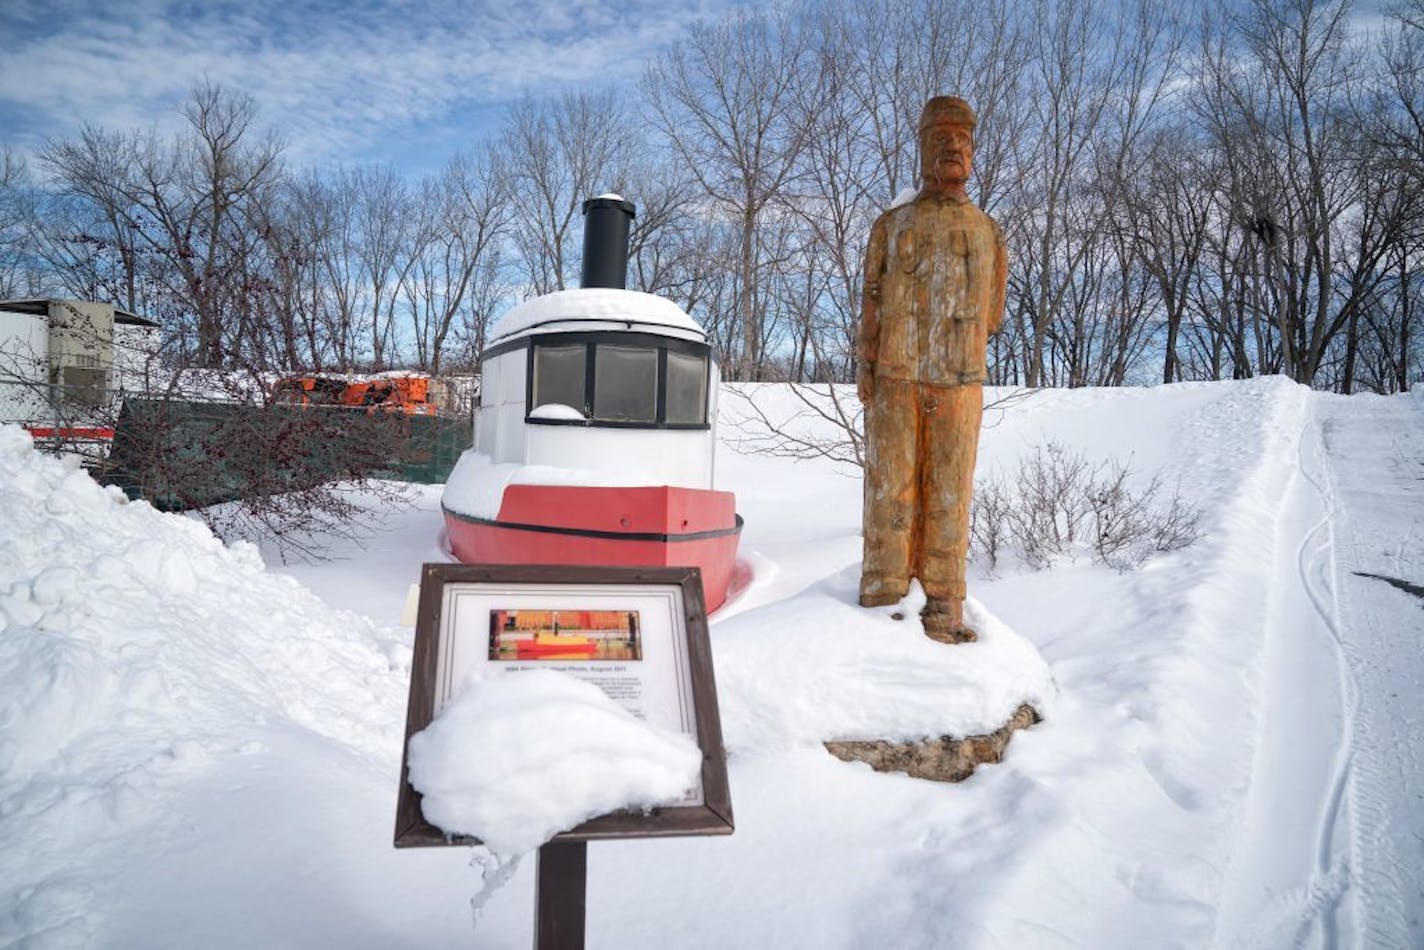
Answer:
(878, 592)
(943, 619)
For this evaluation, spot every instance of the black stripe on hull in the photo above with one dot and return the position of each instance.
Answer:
(591, 533)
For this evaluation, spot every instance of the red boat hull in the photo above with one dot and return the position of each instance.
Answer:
(627, 527)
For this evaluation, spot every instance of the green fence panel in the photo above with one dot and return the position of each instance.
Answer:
(434, 446)
(181, 454)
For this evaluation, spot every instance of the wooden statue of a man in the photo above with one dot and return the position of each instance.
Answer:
(935, 274)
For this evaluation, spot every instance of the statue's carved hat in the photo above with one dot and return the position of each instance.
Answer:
(951, 109)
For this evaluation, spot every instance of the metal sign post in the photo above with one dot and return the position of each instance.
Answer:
(560, 895)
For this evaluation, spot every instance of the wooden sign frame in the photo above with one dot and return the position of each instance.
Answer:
(712, 817)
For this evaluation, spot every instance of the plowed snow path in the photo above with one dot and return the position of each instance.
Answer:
(1331, 851)
(1374, 458)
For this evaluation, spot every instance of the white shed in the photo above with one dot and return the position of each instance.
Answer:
(65, 362)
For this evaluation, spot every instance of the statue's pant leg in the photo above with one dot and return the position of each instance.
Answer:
(892, 423)
(950, 419)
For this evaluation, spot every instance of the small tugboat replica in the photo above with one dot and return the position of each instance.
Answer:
(594, 435)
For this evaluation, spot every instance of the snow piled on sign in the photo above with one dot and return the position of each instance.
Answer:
(515, 758)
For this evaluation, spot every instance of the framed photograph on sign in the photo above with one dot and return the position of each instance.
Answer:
(638, 633)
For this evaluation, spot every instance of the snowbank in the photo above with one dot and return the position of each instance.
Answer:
(516, 758)
(137, 652)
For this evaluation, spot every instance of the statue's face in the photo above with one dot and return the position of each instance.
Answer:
(946, 151)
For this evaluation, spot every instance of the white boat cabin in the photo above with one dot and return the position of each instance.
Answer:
(611, 382)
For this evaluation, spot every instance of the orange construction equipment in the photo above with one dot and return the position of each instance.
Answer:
(309, 390)
(406, 394)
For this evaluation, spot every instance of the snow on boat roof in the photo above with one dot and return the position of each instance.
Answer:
(597, 308)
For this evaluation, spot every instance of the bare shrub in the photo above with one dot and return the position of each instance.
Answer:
(297, 475)
(828, 423)
(989, 519)
(1176, 528)
(1032, 532)
(1122, 520)
(208, 442)
(1057, 495)
(1051, 503)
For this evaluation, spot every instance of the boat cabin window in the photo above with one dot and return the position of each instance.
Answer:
(686, 387)
(559, 376)
(625, 384)
(620, 379)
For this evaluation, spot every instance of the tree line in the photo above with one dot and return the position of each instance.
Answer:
(1217, 191)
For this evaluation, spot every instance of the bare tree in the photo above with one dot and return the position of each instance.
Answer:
(666, 251)
(363, 226)
(181, 202)
(387, 248)
(89, 225)
(725, 103)
(1400, 86)
(296, 230)
(17, 218)
(1097, 78)
(462, 216)
(556, 153)
(332, 207)
(195, 195)
(836, 199)
(1160, 222)
(1389, 342)
(1278, 100)
(694, 262)
(1264, 221)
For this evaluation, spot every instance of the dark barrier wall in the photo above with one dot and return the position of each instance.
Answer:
(180, 454)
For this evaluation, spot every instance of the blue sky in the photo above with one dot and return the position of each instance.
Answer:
(405, 82)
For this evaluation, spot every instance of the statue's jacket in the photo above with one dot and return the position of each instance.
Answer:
(934, 270)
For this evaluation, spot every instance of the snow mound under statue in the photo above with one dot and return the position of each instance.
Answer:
(816, 668)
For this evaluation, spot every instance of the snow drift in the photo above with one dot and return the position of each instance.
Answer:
(137, 652)
(195, 752)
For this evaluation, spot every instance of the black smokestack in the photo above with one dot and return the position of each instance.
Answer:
(606, 220)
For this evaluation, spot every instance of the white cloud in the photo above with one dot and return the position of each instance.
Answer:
(334, 79)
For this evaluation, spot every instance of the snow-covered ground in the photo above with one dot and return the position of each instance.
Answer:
(198, 751)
